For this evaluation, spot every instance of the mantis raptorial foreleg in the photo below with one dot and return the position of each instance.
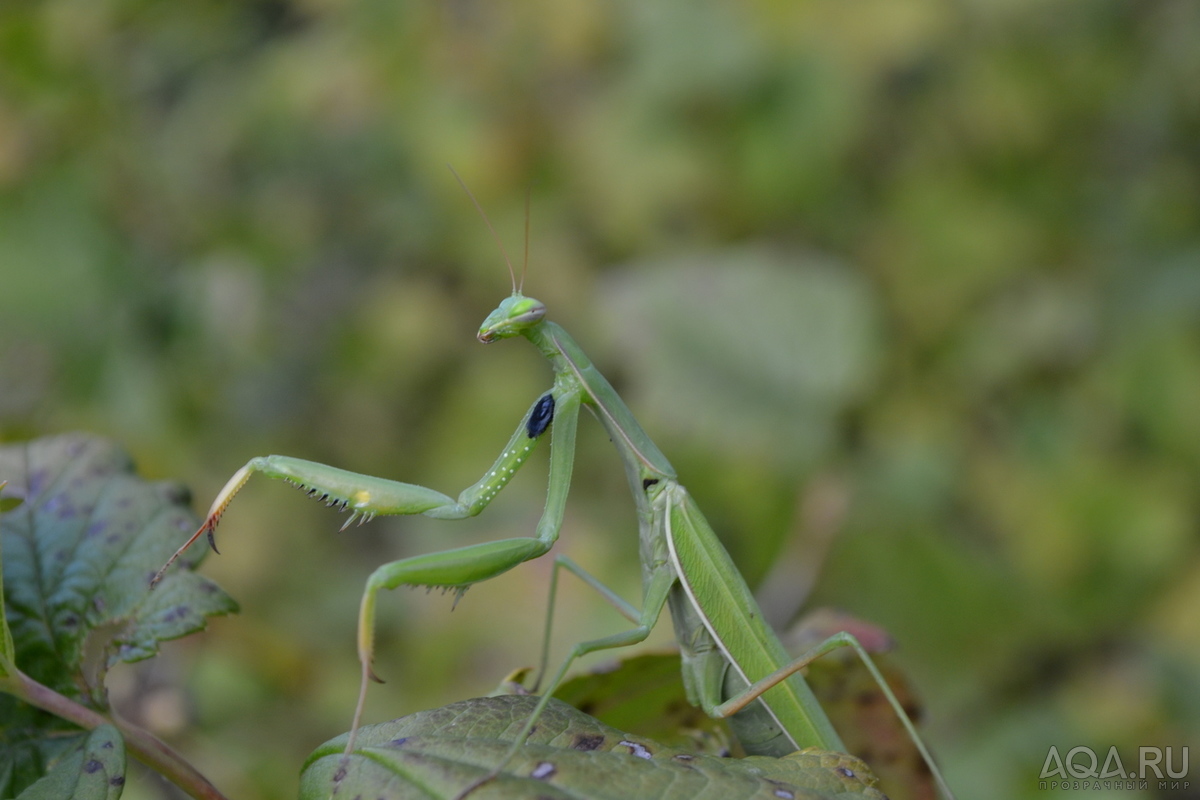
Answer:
(459, 568)
(366, 496)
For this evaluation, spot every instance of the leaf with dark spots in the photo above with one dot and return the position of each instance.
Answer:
(448, 748)
(94, 769)
(175, 614)
(644, 694)
(30, 741)
(586, 743)
(78, 554)
(638, 749)
(62, 580)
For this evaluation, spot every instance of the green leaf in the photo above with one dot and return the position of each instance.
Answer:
(8, 503)
(436, 754)
(31, 742)
(644, 694)
(78, 558)
(94, 770)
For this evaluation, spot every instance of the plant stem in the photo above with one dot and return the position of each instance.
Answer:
(144, 746)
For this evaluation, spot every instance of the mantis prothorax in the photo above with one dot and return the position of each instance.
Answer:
(733, 664)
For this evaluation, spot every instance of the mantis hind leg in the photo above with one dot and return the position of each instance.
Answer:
(625, 609)
(655, 598)
(838, 640)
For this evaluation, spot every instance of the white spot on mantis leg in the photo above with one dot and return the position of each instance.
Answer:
(543, 770)
(784, 794)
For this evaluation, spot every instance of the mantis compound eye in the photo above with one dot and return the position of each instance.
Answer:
(527, 310)
(515, 314)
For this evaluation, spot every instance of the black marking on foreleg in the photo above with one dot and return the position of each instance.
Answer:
(648, 482)
(541, 416)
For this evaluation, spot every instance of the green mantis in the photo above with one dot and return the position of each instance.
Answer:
(733, 664)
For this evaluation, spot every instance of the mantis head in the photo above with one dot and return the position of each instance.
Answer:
(513, 317)
(518, 313)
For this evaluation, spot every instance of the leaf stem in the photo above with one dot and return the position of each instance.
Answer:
(146, 747)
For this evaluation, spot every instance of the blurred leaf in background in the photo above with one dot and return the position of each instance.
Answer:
(226, 230)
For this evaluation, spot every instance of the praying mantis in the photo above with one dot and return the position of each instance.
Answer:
(733, 664)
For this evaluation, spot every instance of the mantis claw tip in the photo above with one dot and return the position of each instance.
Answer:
(212, 540)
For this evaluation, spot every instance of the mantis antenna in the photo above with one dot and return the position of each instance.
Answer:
(525, 266)
(511, 274)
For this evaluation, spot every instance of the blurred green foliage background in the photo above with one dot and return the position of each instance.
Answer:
(908, 291)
